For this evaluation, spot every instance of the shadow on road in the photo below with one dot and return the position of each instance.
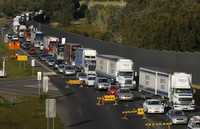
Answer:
(80, 123)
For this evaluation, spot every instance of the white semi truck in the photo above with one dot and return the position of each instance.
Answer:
(85, 59)
(117, 68)
(174, 86)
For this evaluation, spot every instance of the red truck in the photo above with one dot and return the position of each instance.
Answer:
(69, 52)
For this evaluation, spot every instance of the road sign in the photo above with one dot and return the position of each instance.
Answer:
(39, 76)
(22, 58)
(63, 41)
(33, 62)
(50, 108)
(45, 84)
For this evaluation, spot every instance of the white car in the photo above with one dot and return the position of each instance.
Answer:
(153, 106)
(91, 80)
(102, 83)
(194, 123)
(69, 70)
(61, 68)
(82, 76)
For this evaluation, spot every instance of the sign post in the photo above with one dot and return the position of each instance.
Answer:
(50, 111)
(39, 78)
(45, 84)
(33, 65)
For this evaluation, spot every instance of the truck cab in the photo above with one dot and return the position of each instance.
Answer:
(85, 59)
(182, 96)
(125, 79)
(39, 37)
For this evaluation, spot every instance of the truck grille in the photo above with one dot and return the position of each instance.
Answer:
(128, 82)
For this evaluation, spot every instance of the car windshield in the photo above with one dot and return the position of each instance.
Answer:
(178, 113)
(91, 78)
(82, 75)
(69, 67)
(59, 61)
(197, 125)
(103, 80)
(61, 66)
(124, 91)
(155, 102)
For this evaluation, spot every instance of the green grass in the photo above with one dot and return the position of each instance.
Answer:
(15, 69)
(29, 113)
(196, 86)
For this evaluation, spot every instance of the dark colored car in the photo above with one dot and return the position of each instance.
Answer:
(112, 90)
(32, 52)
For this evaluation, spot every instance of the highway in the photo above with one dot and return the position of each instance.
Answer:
(77, 107)
(78, 110)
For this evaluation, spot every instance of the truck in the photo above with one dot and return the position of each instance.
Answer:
(38, 39)
(50, 45)
(69, 52)
(174, 87)
(117, 68)
(85, 59)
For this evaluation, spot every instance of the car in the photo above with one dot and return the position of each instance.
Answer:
(26, 46)
(91, 80)
(102, 83)
(82, 76)
(124, 94)
(48, 57)
(32, 52)
(42, 56)
(194, 123)
(177, 116)
(61, 68)
(51, 61)
(57, 63)
(112, 90)
(69, 70)
(153, 106)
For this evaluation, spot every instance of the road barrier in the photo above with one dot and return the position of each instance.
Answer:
(106, 99)
(73, 82)
(156, 124)
(137, 111)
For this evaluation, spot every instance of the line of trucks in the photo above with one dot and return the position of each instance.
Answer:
(176, 87)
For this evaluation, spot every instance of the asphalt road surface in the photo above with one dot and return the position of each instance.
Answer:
(78, 110)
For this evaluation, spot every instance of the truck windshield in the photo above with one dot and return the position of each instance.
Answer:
(126, 74)
(92, 67)
(185, 99)
(39, 37)
(183, 91)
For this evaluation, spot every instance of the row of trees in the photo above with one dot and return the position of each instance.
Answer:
(161, 24)
(62, 11)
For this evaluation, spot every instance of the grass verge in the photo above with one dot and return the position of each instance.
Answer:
(27, 113)
(15, 69)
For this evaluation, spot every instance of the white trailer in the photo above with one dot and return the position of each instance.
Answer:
(117, 68)
(174, 86)
(85, 59)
